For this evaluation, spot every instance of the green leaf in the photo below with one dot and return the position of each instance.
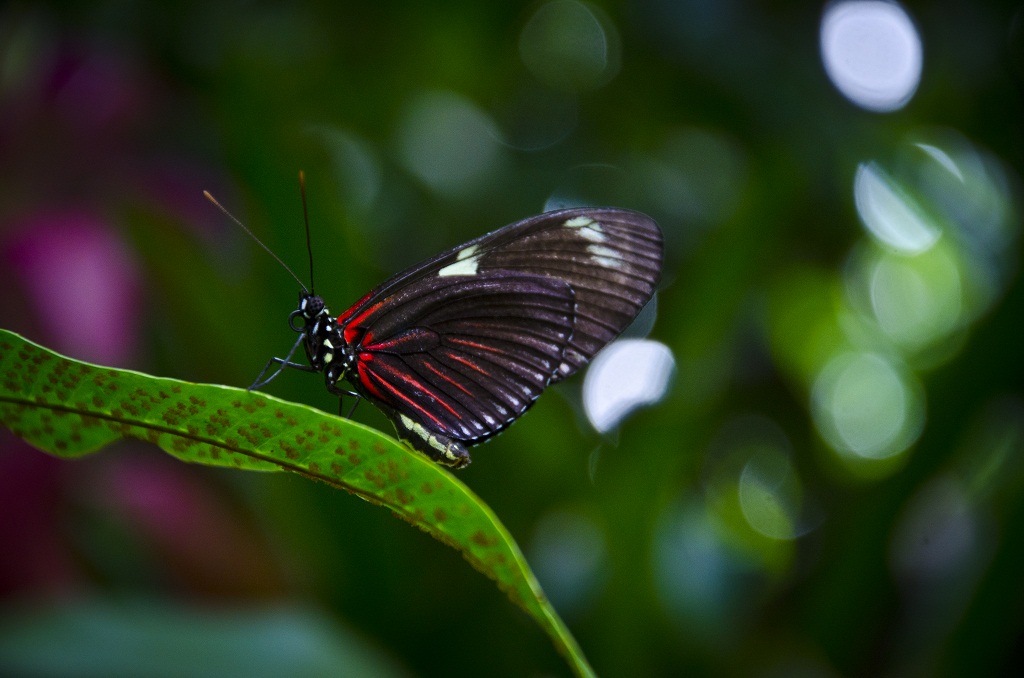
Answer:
(70, 408)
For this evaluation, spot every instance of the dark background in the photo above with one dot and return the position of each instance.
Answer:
(833, 484)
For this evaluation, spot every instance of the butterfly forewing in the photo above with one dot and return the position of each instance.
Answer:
(610, 257)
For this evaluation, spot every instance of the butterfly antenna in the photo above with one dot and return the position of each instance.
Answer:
(305, 217)
(259, 242)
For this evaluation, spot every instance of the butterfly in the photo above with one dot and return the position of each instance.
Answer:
(457, 347)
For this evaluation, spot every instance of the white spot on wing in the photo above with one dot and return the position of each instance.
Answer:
(593, 233)
(605, 256)
(465, 266)
(589, 229)
(468, 252)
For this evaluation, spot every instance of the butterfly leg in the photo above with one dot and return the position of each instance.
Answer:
(440, 448)
(284, 362)
(341, 404)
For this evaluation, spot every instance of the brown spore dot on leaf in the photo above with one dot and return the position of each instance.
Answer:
(481, 539)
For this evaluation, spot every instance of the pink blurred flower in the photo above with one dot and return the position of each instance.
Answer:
(82, 283)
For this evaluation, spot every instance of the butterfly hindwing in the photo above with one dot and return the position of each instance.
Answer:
(464, 356)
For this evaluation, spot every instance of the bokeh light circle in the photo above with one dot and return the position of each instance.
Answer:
(889, 213)
(625, 375)
(872, 52)
(448, 143)
(567, 46)
(866, 406)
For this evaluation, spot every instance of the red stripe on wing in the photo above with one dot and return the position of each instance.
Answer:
(447, 378)
(364, 378)
(352, 309)
(468, 363)
(474, 344)
(351, 327)
(378, 371)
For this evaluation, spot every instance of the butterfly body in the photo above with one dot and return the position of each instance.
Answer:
(456, 348)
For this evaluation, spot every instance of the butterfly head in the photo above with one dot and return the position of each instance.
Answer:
(320, 332)
(311, 307)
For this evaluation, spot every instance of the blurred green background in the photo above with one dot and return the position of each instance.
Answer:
(832, 484)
